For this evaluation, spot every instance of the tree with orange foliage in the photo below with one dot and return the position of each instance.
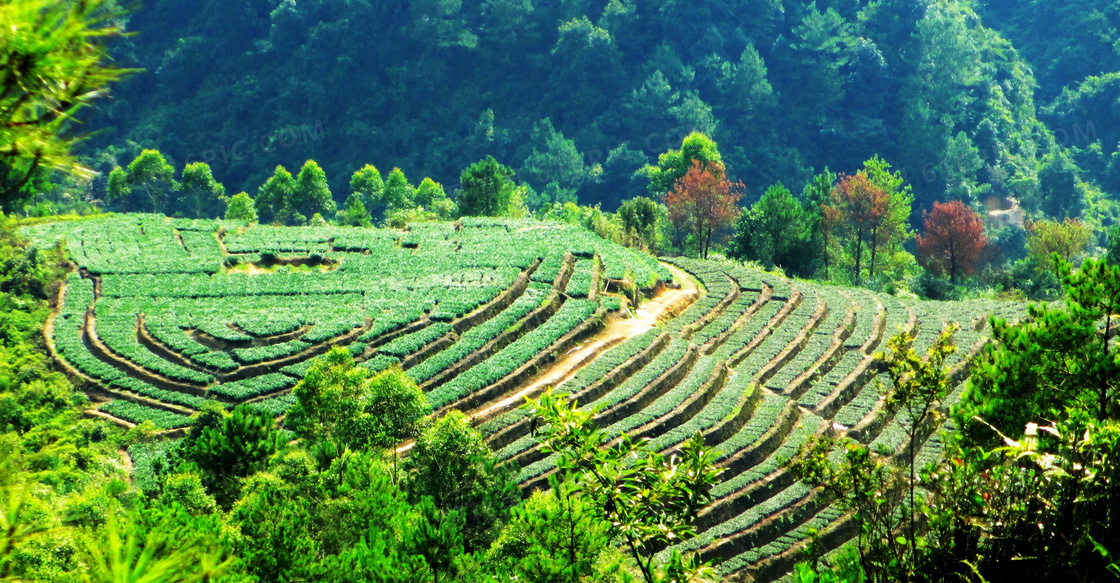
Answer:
(890, 214)
(704, 201)
(953, 240)
(869, 213)
(857, 201)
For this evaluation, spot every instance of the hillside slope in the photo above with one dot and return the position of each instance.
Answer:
(578, 95)
(162, 315)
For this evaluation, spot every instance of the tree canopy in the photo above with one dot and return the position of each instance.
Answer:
(54, 63)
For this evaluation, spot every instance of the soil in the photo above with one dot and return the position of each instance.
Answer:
(659, 308)
(667, 303)
(127, 460)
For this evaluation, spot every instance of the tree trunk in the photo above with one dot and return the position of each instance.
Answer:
(859, 257)
(952, 262)
(873, 243)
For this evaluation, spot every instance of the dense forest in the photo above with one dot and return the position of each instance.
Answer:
(968, 101)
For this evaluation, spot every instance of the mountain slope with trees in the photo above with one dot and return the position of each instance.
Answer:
(579, 96)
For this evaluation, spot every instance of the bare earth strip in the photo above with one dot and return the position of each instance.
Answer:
(657, 309)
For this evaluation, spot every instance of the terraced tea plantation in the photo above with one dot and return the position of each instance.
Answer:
(163, 315)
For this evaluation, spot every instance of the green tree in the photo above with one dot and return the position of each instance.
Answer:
(201, 193)
(355, 213)
(866, 484)
(398, 194)
(367, 185)
(342, 522)
(1059, 358)
(343, 405)
(744, 86)
(673, 165)
(1113, 253)
(555, 167)
(958, 171)
(774, 232)
(642, 220)
(241, 208)
(452, 465)
(486, 189)
(130, 554)
(54, 62)
(1063, 193)
(438, 536)
(275, 197)
(151, 175)
(312, 195)
(1067, 239)
(394, 406)
(645, 499)
(555, 535)
(889, 221)
(918, 386)
(118, 186)
(227, 447)
(429, 193)
(817, 198)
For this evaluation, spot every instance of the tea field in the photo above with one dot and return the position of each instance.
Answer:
(162, 315)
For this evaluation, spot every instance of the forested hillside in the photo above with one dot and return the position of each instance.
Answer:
(579, 95)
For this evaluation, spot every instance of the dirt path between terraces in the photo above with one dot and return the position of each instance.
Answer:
(663, 306)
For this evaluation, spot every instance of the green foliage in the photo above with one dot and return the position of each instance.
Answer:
(367, 186)
(774, 232)
(554, 536)
(430, 194)
(640, 495)
(355, 213)
(241, 208)
(201, 193)
(866, 484)
(1063, 193)
(129, 554)
(1113, 252)
(55, 62)
(275, 197)
(918, 386)
(312, 195)
(332, 524)
(398, 194)
(487, 189)
(148, 185)
(1062, 357)
(642, 222)
(347, 407)
(555, 168)
(452, 466)
(674, 164)
(227, 447)
(624, 82)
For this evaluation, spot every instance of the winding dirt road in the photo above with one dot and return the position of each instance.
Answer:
(619, 328)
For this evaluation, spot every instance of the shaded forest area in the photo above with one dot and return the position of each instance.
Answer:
(969, 102)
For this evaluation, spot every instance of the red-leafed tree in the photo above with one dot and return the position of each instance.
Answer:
(858, 203)
(704, 201)
(953, 239)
